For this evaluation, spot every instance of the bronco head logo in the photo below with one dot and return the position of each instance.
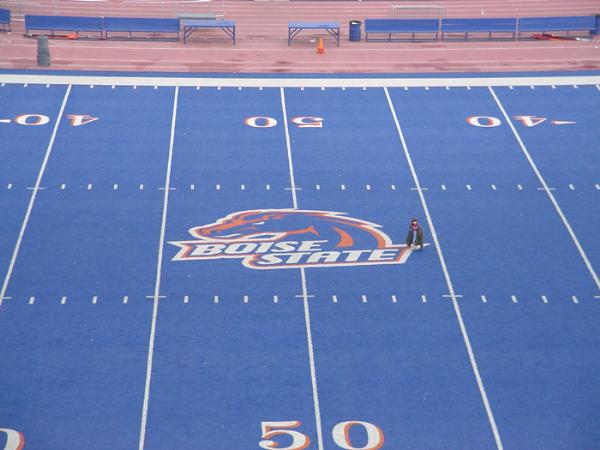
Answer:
(279, 224)
(286, 238)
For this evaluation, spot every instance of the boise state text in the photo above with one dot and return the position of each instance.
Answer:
(288, 238)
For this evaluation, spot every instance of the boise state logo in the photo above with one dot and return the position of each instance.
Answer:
(288, 238)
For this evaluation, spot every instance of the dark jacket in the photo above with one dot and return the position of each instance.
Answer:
(409, 238)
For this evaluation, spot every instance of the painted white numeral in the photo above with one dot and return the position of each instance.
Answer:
(308, 122)
(32, 119)
(341, 435)
(484, 121)
(272, 429)
(260, 122)
(14, 439)
(80, 119)
(530, 121)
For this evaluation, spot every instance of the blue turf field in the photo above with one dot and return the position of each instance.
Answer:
(107, 341)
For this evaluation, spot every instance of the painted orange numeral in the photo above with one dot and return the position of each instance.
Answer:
(341, 435)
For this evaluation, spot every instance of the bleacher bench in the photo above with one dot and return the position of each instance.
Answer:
(4, 19)
(566, 24)
(55, 24)
(488, 26)
(130, 25)
(101, 25)
(393, 27)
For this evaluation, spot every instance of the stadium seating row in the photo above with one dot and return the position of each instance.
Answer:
(513, 27)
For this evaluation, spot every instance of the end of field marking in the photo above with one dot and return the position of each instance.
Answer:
(483, 299)
(574, 299)
(424, 298)
(514, 298)
(544, 299)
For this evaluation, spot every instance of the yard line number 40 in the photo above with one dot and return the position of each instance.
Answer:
(299, 441)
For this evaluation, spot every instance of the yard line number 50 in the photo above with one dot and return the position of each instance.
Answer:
(300, 441)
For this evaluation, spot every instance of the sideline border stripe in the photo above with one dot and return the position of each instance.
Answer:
(453, 295)
(309, 340)
(300, 81)
(34, 192)
(548, 190)
(156, 297)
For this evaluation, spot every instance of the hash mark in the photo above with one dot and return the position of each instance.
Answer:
(141, 187)
(368, 186)
(216, 299)
(275, 299)
(343, 186)
(571, 187)
(494, 187)
(63, 300)
(94, 299)
(186, 299)
(31, 300)
(544, 299)
(598, 187)
(443, 187)
(394, 299)
(115, 187)
(393, 186)
(484, 299)
(62, 186)
(519, 187)
(318, 187)
(192, 187)
(514, 298)
(364, 298)
(268, 187)
(423, 298)
(334, 298)
(243, 187)
(218, 187)
(245, 299)
(468, 187)
(89, 186)
(9, 186)
(575, 300)
(125, 299)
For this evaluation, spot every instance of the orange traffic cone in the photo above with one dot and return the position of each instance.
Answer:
(320, 47)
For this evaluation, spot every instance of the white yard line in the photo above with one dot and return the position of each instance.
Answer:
(548, 190)
(300, 81)
(156, 297)
(305, 296)
(453, 295)
(34, 192)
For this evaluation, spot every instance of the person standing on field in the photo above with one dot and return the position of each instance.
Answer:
(415, 235)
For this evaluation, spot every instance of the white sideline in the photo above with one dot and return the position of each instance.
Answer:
(34, 192)
(453, 295)
(156, 297)
(300, 81)
(548, 190)
(309, 340)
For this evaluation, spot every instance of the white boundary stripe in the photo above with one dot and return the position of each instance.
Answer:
(453, 295)
(300, 82)
(309, 340)
(34, 192)
(156, 296)
(547, 189)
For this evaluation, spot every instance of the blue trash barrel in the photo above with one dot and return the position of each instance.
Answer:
(597, 30)
(354, 30)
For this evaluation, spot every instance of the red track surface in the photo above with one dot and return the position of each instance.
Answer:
(262, 40)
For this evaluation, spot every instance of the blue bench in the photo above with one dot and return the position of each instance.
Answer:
(63, 23)
(390, 27)
(479, 25)
(189, 26)
(140, 25)
(4, 19)
(101, 25)
(294, 28)
(561, 24)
